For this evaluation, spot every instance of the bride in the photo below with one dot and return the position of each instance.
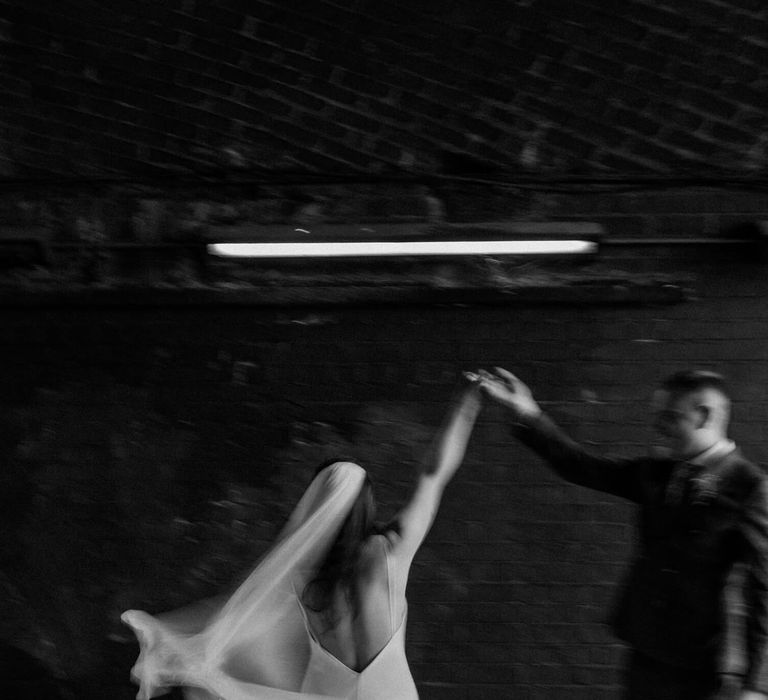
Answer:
(323, 614)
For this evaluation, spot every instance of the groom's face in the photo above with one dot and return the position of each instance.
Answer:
(676, 419)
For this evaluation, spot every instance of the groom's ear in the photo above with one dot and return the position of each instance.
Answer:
(703, 414)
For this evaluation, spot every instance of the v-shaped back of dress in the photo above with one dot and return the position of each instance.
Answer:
(385, 677)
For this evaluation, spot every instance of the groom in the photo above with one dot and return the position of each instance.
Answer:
(703, 511)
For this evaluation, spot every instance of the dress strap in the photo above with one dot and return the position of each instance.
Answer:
(390, 589)
(304, 615)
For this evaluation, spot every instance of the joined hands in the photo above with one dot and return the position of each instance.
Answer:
(506, 389)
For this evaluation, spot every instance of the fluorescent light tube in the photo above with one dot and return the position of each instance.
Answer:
(401, 248)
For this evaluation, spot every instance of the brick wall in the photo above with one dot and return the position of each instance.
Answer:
(152, 453)
(539, 86)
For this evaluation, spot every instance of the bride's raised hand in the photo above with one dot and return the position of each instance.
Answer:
(470, 393)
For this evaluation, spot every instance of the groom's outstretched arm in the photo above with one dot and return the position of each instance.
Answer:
(413, 522)
(567, 457)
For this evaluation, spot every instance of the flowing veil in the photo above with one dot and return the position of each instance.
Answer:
(252, 645)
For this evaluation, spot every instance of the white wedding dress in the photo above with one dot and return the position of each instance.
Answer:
(259, 643)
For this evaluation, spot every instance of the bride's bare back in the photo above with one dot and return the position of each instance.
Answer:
(355, 637)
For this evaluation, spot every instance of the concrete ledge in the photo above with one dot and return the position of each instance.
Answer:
(596, 293)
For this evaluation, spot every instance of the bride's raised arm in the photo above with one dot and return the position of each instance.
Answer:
(413, 522)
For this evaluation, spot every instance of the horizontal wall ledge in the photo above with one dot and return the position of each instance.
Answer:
(593, 293)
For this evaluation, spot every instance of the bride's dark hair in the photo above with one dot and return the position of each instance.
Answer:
(342, 562)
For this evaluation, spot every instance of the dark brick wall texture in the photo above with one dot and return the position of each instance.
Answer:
(152, 453)
(565, 86)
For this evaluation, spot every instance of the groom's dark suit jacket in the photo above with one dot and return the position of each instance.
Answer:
(696, 523)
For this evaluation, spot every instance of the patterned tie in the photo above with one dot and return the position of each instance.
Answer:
(678, 480)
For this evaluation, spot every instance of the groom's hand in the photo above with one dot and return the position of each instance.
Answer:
(505, 388)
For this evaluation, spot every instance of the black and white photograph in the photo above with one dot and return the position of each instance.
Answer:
(384, 350)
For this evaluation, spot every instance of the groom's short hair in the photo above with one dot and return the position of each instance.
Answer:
(692, 380)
